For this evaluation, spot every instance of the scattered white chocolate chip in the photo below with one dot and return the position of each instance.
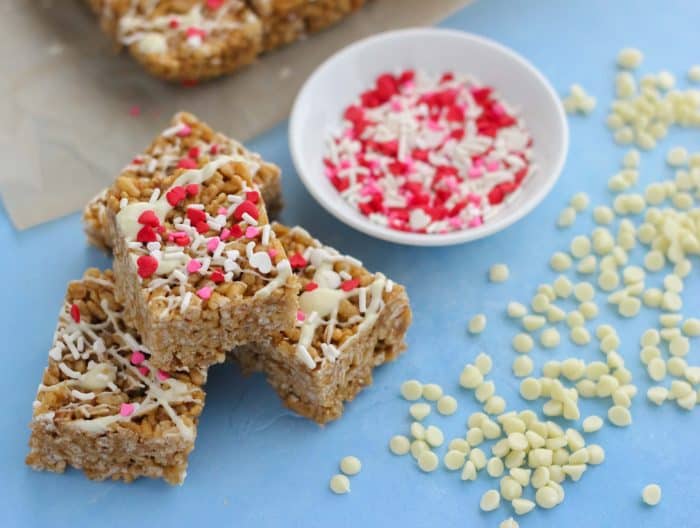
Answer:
(340, 484)
(399, 445)
(411, 390)
(619, 416)
(522, 366)
(651, 494)
(419, 411)
(454, 459)
(629, 58)
(592, 424)
(523, 343)
(350, 465)
(477, 324)
(428, 461)
(499, 273)
(447, 405)
(490, 500)
(484, 363)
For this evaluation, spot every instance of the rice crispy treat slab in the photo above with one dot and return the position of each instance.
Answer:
(183, 40)
(196, 261)
(349, 321)
(170, 151)
(102, 406)
(285, 21)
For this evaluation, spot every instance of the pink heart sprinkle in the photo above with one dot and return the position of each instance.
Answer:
(272, 252)
(474, 199)
(204, 293)
(162, 376)
(475, 222)
(144, 370)
(493, 165)
(300, 316)
(213, 243)
(345, 164)
(396, 105)
(137, 358)
(475, 173)
(225, 233)
(126, 409)
(193, 266)
(184, 131)
(222, 211)
(251, 232)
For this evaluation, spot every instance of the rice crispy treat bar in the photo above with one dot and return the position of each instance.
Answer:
(183, 40)
(350, 321)
(102, 406)
(196, 261)
(169, 151)
(285, 21)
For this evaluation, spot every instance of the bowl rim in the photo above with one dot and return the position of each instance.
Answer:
(360, 223)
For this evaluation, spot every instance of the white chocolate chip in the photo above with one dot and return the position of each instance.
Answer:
(499, 273)
(350, 465)
(490, 500)
(411, 390)
(477, 324)
(447, 405)
(399, 445)
(651, 494)
(340, 484)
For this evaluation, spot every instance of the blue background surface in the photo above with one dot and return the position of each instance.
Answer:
(258, 465)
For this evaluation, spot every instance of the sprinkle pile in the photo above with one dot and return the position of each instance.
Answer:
(429, 154)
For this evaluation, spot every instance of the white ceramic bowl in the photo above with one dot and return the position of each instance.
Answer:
(336, 83)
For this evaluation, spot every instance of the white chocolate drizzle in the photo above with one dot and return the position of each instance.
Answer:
(321, 305)
(107, 364)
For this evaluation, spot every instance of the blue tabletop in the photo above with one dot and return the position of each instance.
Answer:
(256, 464)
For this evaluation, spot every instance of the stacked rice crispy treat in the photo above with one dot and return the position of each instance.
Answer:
(192, 40)
(170, 151)
(200, 274)
(349, 321)
(102, 406)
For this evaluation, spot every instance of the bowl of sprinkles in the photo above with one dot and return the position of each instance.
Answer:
(428, 136)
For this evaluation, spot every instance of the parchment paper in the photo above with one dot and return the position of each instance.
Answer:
(67, 99)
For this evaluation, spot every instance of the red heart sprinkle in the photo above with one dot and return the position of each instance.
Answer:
(217, 276)
(192, 189)
(246, 207)
(196, 215)
(175, 195)
(147, 266)
(349, 285)
(310, 286)
(149, 218)
(182, 240)
(75, 312)
(252, 196)
(297, 261)
(146, 235)
(187, 163)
